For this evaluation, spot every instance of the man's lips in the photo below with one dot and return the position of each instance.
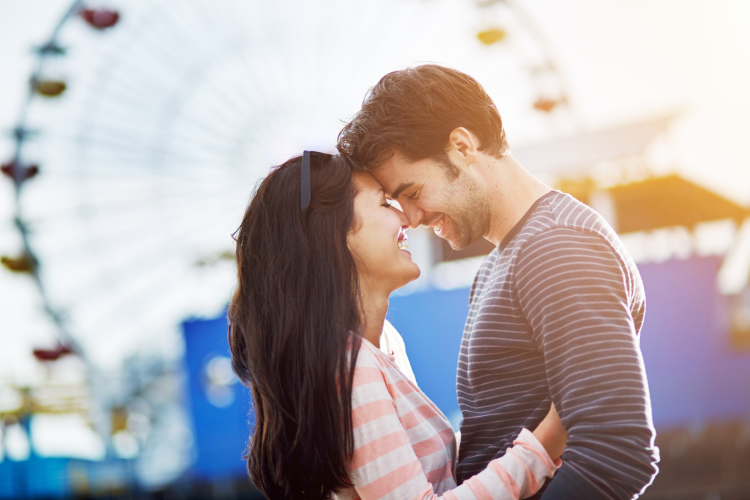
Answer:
(432, 221)
(437, 224)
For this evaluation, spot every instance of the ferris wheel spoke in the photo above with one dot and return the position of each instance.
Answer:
(121, 140)
(261, 79)
(218, 126)
(114, 209)
(132, 95)
(199, 26)
(141, 259)
(117, 160)
(127, 234)
(237, 39)
(194, 198)
(185, 34)
(141, 303)
(124, 167)
(174, 42)
(169, 119)
(122, 144)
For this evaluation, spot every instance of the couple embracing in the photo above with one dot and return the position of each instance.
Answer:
(550, 380)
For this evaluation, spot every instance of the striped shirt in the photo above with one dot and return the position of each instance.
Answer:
(555, 313)
(404, 447)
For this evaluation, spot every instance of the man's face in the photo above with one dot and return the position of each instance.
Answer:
(454, 207)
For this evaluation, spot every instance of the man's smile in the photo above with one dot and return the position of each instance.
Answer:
(438, 225)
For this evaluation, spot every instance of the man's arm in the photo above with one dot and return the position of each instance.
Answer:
(575, 293)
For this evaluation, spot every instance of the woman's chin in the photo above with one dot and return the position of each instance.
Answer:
(417, 272)
(410, 273)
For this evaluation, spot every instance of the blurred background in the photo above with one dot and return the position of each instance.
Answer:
(132, 133)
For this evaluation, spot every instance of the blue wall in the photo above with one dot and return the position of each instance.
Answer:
(432, 325)
(40, 477)
(694, 375)
(35, 477)
(221, 434)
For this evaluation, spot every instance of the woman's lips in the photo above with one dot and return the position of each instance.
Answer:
(403, 240)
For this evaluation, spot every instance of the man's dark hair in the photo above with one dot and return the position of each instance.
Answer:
(413, 112)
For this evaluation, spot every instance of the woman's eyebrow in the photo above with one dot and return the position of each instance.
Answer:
(401, 188)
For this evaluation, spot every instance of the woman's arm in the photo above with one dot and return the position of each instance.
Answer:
(551, 433)
(384, 463)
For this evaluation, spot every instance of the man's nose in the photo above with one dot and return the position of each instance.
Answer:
(414, 214)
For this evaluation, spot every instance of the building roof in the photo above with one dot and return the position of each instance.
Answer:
(669, 201)
(576, 154)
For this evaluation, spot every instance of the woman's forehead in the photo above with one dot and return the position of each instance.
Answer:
(367, 185)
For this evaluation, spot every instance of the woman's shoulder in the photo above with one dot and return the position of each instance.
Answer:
(374, 366)
(369, 356)
(370, 380)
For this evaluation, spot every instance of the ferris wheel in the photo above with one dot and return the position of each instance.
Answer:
(149, 122)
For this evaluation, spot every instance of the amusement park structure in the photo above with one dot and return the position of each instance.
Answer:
(144, 125)
(148, 122)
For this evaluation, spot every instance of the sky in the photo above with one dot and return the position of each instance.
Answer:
(622, 62)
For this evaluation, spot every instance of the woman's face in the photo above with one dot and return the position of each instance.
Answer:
(376, 240)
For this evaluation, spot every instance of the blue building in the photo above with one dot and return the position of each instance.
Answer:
(698, 379)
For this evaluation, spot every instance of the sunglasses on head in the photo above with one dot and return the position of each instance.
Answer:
(305, 187)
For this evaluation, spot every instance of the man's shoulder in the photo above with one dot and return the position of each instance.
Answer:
(563, 215)
(579, 236)
(541, 217)
(554, 214)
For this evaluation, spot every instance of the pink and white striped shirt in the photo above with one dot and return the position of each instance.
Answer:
(404, 447)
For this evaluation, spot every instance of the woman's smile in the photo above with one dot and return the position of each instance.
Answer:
(403, 240)
(372, 241)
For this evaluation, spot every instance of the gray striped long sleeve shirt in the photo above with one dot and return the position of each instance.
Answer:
(555, 315)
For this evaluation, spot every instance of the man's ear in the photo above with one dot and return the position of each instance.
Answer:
(462, 146)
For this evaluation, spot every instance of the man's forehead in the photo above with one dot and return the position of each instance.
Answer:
(398, 174)
(393, 178)
(392, 167)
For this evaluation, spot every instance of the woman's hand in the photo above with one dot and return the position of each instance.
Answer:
(551, 433)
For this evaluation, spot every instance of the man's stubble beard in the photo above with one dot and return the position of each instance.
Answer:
(468, 212)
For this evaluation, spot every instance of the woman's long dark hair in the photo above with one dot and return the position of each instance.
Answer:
(291, 318)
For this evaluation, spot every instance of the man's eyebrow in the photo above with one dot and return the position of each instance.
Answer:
(400, 189)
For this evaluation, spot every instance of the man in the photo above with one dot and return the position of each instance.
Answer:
(555, 310)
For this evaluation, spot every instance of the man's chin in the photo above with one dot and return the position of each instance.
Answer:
(458, 245)
(461, 241)
(459, 236)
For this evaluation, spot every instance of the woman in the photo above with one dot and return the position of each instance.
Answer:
(318, 253)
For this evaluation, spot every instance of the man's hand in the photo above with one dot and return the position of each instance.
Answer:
(551, 433)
